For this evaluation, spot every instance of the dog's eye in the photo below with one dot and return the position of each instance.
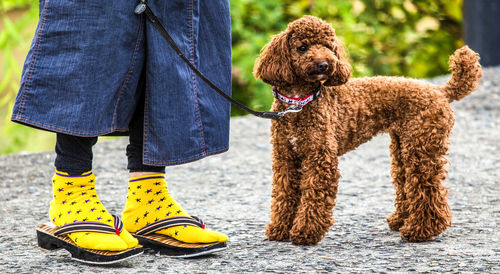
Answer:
(302, 48)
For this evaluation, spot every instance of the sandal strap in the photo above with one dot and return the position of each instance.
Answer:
(87, 226)
(170, 222)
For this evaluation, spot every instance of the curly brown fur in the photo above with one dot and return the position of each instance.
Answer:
(348, 113)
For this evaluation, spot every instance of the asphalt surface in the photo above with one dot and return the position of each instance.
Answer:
(231, 192)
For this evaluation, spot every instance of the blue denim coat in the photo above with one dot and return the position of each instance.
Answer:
(82, 71)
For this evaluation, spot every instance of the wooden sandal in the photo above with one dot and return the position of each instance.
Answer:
(171, 247)
(51, 237)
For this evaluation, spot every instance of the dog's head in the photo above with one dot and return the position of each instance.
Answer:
(307, 51)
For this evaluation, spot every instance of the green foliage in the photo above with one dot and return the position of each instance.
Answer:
(7, 5)
(18, 20)
(383, 37)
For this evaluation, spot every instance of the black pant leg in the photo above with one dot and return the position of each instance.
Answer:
(136, 139)
(74, 153)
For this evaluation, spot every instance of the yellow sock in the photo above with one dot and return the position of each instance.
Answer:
(75, 200)
(148, 201)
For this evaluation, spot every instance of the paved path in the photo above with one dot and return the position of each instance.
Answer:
(232, 193)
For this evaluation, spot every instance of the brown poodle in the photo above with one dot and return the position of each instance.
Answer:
(346, 114)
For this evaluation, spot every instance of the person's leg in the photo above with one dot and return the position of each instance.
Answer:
(148, 198)
(74, 153)
(75, 198)
(135, 146)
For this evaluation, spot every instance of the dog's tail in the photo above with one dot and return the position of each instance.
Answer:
(465, 74)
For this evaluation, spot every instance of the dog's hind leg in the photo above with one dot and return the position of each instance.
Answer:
(396, 220)
(424, 146)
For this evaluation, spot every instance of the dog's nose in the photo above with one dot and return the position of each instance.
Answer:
(322, 66)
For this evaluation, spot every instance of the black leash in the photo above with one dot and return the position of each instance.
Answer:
(144, 7)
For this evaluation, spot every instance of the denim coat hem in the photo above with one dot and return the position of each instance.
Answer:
(119, 132)
(56, 129)
(186, 160)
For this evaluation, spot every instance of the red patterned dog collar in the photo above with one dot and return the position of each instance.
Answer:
(301, 101)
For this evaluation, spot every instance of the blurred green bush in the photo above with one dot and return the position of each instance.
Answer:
(18, 20)
(382, 37)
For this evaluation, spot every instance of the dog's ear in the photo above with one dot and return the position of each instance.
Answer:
(343, 68)
(274, 65)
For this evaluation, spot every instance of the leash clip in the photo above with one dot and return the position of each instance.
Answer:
(141, 7)
(291, 109)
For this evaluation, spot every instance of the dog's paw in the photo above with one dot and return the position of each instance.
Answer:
(413, 236)
(421, 229)
(277, 233)
(310, 227)
(306, 236)
(395, 221)
(417, 234)
(305, 239)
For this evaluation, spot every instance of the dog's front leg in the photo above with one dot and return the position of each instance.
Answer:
(285, 193)
(318, 188)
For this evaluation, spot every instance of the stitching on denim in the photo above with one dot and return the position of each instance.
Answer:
(48, 127)
(145, 151)
(27, 85)
(127, 78)
(187, 160)
(193, 76)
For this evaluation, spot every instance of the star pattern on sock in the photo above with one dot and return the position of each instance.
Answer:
(154, 203)
(149, 201)
(75, 200)
(76, 203)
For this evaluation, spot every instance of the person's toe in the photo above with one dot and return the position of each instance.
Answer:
(129, 239)
(98, 241)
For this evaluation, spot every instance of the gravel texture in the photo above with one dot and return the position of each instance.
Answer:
(231, 192)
